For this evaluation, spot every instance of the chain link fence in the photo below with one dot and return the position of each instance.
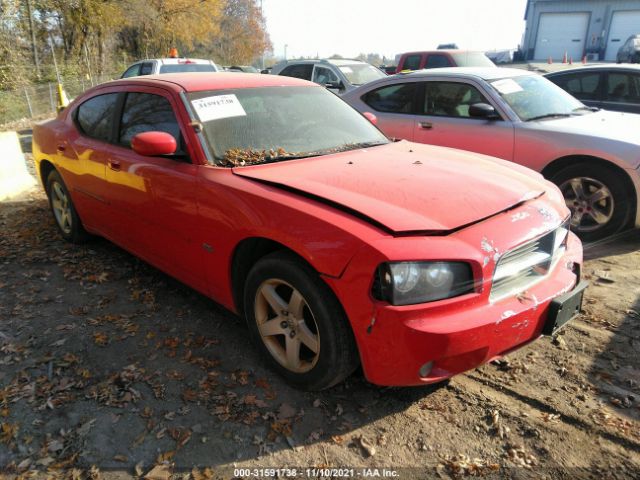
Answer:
(41, 100)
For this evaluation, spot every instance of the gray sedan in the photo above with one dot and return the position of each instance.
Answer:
(592, 155)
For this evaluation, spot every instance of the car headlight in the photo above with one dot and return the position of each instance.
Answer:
(408, 283)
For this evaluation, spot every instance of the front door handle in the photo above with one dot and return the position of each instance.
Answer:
(426, 125)
(114, 165)
(61, 147)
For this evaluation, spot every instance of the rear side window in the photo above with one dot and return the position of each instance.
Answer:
(95, 117)
(303, 71)
(412, 62)
(392, 98)
(145, 112)
(437, 61)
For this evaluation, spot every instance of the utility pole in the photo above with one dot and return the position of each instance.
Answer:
(34, 47)
(264, 32)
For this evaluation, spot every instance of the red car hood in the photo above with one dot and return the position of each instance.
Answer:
(407, 187)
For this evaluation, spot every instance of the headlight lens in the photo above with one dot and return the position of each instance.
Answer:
(408, 283)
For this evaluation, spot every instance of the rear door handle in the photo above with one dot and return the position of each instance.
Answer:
(426, 125)
(61, 147)
(114, 165)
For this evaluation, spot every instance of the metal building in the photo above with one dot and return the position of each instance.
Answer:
(592, 28)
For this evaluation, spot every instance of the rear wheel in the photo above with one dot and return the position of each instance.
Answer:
(598, 199)
(64, 212)
(297, 322)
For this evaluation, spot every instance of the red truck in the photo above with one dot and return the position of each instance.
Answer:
(442, 58)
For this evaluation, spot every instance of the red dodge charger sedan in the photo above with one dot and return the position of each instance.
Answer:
(278, 200)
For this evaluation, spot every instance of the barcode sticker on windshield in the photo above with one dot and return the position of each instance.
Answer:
(217, 107)
(507, 86)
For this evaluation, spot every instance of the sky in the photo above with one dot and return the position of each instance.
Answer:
(388, 27)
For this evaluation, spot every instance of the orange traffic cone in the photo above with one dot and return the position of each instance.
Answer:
(550, 61)
(570, 60)
(584, 60)
(564, 58)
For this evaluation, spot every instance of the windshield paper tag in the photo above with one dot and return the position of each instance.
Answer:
(219, 106)
(507, 86)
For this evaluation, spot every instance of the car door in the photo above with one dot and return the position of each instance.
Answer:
(155, 197)
(325, 76)
(585, 86)
(394, 106)
(622, 92)
(443, 119)
(87, 145)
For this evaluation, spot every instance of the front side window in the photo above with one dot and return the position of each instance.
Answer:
(302, 71)
(623, 87)
(450, 99)
(268, 124)
(533, 97)
(437, 61)
(146, 69)
(95, 117)
(324, 76)
(412, 62)
(144, 112)
(583, 85)
(396, 98)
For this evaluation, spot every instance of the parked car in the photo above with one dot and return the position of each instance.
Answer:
(388, 69)
(612, 87)
(339, 76)
(629, 52)
(279, 201)
(520, 116)
(442, 59)
(153, 66)
(243, 68)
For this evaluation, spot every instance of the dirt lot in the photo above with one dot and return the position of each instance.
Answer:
(109, 368)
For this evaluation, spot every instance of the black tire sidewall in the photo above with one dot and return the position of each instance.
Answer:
(337, 347)
(78, 234)
(615, 183)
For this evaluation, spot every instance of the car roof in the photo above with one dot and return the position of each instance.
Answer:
(196, 81)
(595, 67)
(174, 61)
(334, 61)
(485, 73)
(442, 50)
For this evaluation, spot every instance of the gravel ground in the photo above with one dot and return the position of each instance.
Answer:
(111, 369)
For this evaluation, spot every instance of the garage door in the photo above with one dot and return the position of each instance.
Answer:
(623, 25)
(559, 33)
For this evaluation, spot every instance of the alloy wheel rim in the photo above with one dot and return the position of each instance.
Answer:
(287, 325)
(590, 201)
(61, 207)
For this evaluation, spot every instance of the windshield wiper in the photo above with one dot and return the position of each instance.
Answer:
(550, 115)
(355, 146)
(591, 109)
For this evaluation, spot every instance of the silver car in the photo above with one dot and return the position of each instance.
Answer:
(592, 155)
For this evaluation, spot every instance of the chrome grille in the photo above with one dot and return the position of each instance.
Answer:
(520, 268)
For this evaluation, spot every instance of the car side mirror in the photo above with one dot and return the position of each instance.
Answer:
(371, 117)
(335, 85)
(483, 110)
(154, 144)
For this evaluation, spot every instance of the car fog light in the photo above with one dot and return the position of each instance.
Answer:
(425, 369)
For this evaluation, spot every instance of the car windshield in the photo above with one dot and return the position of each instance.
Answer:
(533, 97)
(187, 67)
(361, 73)
(267, 124)
(472, 59)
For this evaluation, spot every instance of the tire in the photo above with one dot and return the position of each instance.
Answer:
(593, 220)
(309, 342)
(63, 210)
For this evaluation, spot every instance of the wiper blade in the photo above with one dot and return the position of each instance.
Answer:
(550, 115)
(355, 146)
(591, 109)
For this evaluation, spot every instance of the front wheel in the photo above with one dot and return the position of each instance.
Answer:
(63, 210)
(597, 196)
(298, 323)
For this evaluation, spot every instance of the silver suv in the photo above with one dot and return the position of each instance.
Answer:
(339, 76)
(153, 66)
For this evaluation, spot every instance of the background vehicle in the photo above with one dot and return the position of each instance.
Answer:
(337, 75)
(154, 66)
(442, 59)
(612, 87)
(629, 52)
(520, 116)
(278, 200)
(242, 68)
